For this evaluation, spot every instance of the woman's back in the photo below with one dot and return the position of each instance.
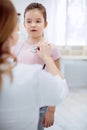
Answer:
(17, 101)
(21, 99)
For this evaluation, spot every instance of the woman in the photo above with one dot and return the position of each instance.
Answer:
(22, 89)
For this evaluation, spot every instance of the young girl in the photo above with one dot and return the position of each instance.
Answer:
(35, 21)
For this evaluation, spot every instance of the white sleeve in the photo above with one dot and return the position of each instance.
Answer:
(51, 90)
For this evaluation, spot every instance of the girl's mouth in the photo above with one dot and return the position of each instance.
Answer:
(33, 30)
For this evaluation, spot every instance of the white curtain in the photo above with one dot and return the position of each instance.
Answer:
(67, 21)
(77, 22)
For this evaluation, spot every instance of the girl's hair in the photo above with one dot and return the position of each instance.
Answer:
(8, 21)
(38, 6)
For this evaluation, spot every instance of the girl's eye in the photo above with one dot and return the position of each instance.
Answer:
(28, 21)
(38, 21)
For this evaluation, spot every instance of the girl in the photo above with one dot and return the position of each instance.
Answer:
(35, 21)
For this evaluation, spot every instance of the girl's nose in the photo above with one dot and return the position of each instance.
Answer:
(33, 24)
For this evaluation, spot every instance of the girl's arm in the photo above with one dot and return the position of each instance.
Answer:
(57, 63)
(44, 51)
(51, 67)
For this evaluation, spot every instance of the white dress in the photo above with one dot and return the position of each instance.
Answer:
(21, 99)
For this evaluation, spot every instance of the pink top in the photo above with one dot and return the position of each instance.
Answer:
(26, 56)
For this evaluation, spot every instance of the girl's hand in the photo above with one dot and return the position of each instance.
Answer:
(44, 50)
(48, 119)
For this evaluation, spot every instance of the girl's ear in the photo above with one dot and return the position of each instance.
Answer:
(46, 23)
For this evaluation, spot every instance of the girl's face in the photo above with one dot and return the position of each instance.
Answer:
(34, 23)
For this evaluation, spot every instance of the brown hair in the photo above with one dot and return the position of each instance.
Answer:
(36, 6)
(8, 21)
